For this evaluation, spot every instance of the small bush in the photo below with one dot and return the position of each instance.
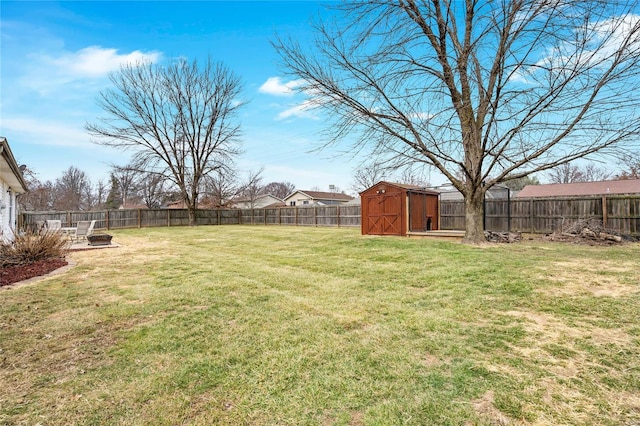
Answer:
(30, 247)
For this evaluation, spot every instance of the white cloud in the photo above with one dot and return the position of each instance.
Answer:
(275, 86)
(302, 110)
(604, 41)
(49, 146)
(96, 61)
(420, 116)
(40, 132)
(613, 33)
(66, 73)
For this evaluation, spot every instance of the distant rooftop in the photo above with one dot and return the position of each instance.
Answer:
(605, 187)
(317, 195)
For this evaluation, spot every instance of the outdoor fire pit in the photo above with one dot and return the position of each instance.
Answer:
(99, 239)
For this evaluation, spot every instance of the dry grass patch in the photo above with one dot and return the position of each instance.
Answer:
(485, 407)
(546, 328)
(598, 277)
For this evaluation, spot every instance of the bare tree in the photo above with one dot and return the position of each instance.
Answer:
(417, 176)
(496, 89)
(71, 190)
(39, 197)
(632, 168)
(89, 197)
(593, 173)
(100, 193)
(151, 188)
(565, 173)
(519, 183)
(367, 176)
(571, 173)
(179, 120)
(126, 179)
(251, 187)
(278, 189)
(221, 187)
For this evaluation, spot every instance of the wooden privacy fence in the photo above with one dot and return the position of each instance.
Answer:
(339, 216)
(544, 215)
(535, 215)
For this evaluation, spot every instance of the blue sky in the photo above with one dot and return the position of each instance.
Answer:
(56, 57)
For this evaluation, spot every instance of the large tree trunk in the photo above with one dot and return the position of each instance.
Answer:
(474, 218)
(192, 214)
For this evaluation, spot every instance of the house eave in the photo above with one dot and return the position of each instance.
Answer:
(9, 170)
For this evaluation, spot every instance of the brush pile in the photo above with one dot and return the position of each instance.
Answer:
(503, 237)
(587, 231)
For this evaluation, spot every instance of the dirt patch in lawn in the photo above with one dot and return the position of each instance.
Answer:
(486, 409)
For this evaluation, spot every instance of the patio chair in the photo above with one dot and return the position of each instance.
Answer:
(54, 225)
(39, 227)
(84, 229)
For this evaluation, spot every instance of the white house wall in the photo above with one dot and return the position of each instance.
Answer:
(7, 212)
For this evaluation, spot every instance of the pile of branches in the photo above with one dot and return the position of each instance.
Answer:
(588, 230)
(503, 237)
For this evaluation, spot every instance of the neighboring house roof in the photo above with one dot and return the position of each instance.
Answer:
(176, 205)
(606, 187)
(448, 192)
(355, 202)
(132, 206)
(180, 204)
(318, 195)
(259, 201)
(9, 170)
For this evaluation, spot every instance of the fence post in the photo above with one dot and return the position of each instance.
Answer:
(139, 219)
(264, 210)
(338, 214)
(531, 216)
(279, 216)
(604, 211)
(168, 218)
(509, 210)
(315, 217)
(296, 216)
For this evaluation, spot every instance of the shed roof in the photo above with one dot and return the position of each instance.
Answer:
(606, 187)
(406, 186)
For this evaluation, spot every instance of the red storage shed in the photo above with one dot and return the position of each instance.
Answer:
(394, 209)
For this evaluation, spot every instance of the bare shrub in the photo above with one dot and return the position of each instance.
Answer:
(29, 247)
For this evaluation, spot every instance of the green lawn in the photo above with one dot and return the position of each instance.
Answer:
(303, 326)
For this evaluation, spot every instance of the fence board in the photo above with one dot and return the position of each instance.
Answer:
(306, 216)
(452, 215)
(350, 215)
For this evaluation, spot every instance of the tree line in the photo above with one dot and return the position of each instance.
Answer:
(129, 188)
